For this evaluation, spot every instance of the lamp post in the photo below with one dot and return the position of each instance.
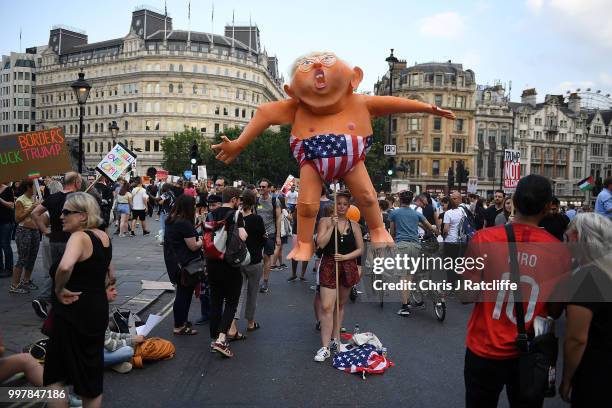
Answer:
(114, 129)
(391, 60)
(586, 155)
(81, 90)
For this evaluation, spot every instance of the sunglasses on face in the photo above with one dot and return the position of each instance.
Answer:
(326, 60)
(66, 212)
(263, 186)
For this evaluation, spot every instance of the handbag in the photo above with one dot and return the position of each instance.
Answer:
(191, 274)
(537, 354)
(236, 252)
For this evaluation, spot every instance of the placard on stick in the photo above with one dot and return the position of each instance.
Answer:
(33, 155)
(116, 162)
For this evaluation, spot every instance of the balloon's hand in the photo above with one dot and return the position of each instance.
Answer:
(445, 114)
(227, 150)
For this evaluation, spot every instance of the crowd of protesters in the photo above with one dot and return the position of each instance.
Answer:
(73, 229)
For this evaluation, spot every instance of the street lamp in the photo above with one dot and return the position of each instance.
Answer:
(114, 129)
(391, 60)
(586, 155)
(81, 90)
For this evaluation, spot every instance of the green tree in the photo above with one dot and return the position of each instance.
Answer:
(176, 151)
(376, 162)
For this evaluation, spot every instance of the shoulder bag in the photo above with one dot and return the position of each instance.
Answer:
(538, 355)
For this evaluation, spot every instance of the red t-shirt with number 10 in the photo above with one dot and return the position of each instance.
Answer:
(544, 264)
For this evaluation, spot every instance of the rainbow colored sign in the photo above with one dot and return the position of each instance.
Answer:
(116, 162)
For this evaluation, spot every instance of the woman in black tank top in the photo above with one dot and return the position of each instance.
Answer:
(350, 247)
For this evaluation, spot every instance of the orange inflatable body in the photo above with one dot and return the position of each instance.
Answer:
(353, 213)
(331, 133)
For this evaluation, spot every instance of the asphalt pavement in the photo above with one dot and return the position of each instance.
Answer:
(274, 366)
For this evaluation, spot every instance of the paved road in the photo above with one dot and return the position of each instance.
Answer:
(274, 366)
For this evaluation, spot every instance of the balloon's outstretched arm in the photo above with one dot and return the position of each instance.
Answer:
(267, 114)
(387, 105)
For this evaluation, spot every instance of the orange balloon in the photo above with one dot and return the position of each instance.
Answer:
(353, 213)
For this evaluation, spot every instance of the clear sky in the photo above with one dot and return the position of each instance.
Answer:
(553, 45)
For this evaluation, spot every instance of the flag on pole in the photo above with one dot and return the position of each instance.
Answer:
(233, 24)
(250, 34)
(189, 10)
(165, 20)
(189, 23)
(586, 184)
(212, 26)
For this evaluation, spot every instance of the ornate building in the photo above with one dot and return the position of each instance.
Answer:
(427, 145)
(494, 121)
(551, 137)
(153, 82)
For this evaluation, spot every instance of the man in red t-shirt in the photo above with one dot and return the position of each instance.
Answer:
(491, 360)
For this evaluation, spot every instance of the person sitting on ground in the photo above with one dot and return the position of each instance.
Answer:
(118, 347)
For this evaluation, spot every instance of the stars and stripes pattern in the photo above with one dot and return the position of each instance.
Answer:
(364, 358)
(332, 155)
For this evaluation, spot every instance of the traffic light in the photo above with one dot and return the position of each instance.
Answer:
(390, 166)
(460, 171)
(194, 153)
(466, 175)
(451, 178)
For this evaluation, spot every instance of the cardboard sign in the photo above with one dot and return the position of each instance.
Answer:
(512, 169)
(290, 181)
(472, 185)
(187, 174)
(202, 173)
(116, 162)
(33, 154)
(146, 180)
(161, 175)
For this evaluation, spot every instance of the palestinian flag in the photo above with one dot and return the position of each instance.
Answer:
(33, 175)
(586, 184)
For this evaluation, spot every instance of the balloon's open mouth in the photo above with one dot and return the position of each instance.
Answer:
(320, 79)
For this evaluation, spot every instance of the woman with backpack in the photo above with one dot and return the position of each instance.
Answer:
(182, 247)
(225, 280)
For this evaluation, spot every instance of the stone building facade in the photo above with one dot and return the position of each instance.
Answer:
(494, 124)
(153, 82)
(427, 145)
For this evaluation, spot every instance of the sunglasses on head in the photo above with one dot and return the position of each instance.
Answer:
(66, 212)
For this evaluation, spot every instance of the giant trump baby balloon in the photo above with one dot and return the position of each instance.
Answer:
(331, 134)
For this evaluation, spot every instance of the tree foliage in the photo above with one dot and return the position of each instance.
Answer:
(269, 156)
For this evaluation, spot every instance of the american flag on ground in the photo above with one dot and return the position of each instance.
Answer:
(333, 155)
(364, 358)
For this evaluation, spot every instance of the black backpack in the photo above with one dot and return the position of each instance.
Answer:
(236, 251)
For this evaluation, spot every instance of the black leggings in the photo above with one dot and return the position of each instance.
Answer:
(225, 286)
(182, 302)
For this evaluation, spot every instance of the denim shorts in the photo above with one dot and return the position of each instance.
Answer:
(123, 208)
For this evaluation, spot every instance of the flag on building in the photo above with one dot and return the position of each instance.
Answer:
(586, 184)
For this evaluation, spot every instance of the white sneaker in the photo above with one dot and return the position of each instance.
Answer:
(122, 368)
(322, 354)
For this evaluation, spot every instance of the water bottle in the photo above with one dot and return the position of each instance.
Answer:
(552, 377)
(384, 352)
(356, 331)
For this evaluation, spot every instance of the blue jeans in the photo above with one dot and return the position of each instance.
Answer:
(120, 355)
(6, 252)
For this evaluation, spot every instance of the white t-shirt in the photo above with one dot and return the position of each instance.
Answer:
(139, 198)
(453, 218)
(420, 211)
(292, 197)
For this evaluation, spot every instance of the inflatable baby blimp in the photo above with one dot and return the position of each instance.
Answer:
(331, 134)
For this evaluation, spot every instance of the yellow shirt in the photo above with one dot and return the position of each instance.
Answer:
(27, 203)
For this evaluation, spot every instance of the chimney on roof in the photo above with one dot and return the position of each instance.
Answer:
(529, 96)
(573, 102)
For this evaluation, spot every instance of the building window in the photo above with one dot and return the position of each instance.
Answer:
(459, 125)
(460, 102)
(597, 129)
(156, 145)
(504, 137)
(415, 145)
(436, 144)
(125, 125)
(577, 172)
(439, 80)
(596, 149)
(480, 135)
(610, 151)
(216, 110)
(414, 124)
(171, 67)
(225, 113)
(538, 121)
(437, 124)
(394, 125)
(147, 145)
(170, 88)
(435, 168)
(438, 100)
(459, 145)
(216, 128)
(147, 125)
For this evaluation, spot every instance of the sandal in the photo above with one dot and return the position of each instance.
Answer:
(236, 337)
(186, 331)
(255, 327)
(223, 348)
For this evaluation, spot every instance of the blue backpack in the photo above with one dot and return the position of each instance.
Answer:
(467, 226)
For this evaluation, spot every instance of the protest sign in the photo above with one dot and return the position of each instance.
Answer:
(512, 169)
(116, 162)
(161, 175)
(472, 185)
(202, 173)
(290, 181)
(33, 155)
